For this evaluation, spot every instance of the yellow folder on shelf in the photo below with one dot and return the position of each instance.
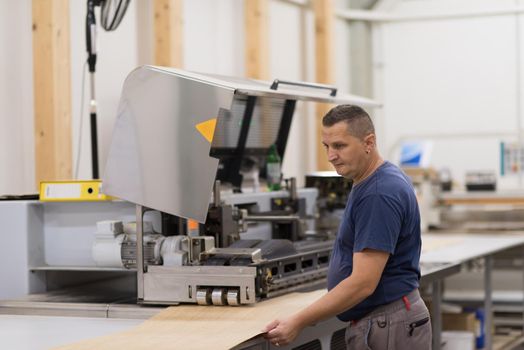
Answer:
(72, 191)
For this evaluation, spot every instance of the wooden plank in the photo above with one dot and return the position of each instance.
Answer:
(52, 90)
(168, 30)
(201, 327)
(324, 72)
(256, 39)
(516, 201)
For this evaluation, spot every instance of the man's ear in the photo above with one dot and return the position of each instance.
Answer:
(370, 140)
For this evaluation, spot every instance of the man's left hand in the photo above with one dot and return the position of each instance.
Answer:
(282, 332)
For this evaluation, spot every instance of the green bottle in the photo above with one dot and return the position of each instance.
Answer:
(273, 172)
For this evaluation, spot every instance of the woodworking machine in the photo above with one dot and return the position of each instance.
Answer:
(182, 145)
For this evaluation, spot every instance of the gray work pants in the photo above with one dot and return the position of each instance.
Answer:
(393, 327)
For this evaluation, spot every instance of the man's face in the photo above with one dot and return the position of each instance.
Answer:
(347, 153)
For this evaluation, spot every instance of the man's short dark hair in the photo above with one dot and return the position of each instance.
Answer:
(359, 122)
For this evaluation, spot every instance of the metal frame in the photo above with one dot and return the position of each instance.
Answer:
(140, 266)
(436, 325)
(488, 302)
(456, 255)
(231, 171)
(434, 274)
(163, 284)
(285, 126)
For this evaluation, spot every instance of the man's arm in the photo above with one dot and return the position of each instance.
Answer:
(368, 266)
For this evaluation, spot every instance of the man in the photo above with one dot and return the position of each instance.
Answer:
(374, 270)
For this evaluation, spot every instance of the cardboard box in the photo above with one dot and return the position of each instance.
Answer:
(464, 321)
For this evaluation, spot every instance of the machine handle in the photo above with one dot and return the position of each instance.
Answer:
(274, 86)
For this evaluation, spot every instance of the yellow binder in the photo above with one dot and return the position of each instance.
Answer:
(71, 191)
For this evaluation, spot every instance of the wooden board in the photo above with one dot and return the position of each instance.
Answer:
(324, 71)
(431, 243)
(201, 327)
(511, 201)
(168, 29)
(52, 90)
(256, 25)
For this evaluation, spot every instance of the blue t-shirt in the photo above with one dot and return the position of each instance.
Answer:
(381, 214)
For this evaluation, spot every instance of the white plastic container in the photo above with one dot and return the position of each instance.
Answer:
(457, 340)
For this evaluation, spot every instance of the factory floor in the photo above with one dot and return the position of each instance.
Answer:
(23, 332)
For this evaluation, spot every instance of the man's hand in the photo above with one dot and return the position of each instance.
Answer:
(282, 332)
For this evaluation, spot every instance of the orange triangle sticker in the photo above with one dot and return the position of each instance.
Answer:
(207, 129)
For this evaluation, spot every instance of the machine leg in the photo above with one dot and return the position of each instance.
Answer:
(140, 210)
(436, 322)
(488, 303)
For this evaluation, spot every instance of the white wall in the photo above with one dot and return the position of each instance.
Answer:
(289, 61)
(214, 36)
(439, 78)
(16, 98)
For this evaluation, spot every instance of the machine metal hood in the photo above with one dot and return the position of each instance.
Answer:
(167, 122)
(277, 89)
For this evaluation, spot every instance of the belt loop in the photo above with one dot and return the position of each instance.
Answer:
(366, 338)
(406, 302)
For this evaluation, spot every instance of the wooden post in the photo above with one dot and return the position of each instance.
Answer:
(256, 22)
(52, 90)
(324, 17)
(257, 38)
(168, 26)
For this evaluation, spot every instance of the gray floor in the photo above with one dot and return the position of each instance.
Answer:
(45, 332)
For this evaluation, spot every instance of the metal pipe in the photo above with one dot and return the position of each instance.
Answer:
(94, 131)
(436, 322)
(522, 269)
(375, 16)
(216, 194)
(140, 267)
(92, 93)
(488, 302)
(378, 76)
(272, 218)
(518, 92)
(293, 195)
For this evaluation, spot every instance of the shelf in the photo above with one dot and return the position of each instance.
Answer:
(81, 268)
(507, 342)
(483, 198)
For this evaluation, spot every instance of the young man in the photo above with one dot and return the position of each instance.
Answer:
(374, 271)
